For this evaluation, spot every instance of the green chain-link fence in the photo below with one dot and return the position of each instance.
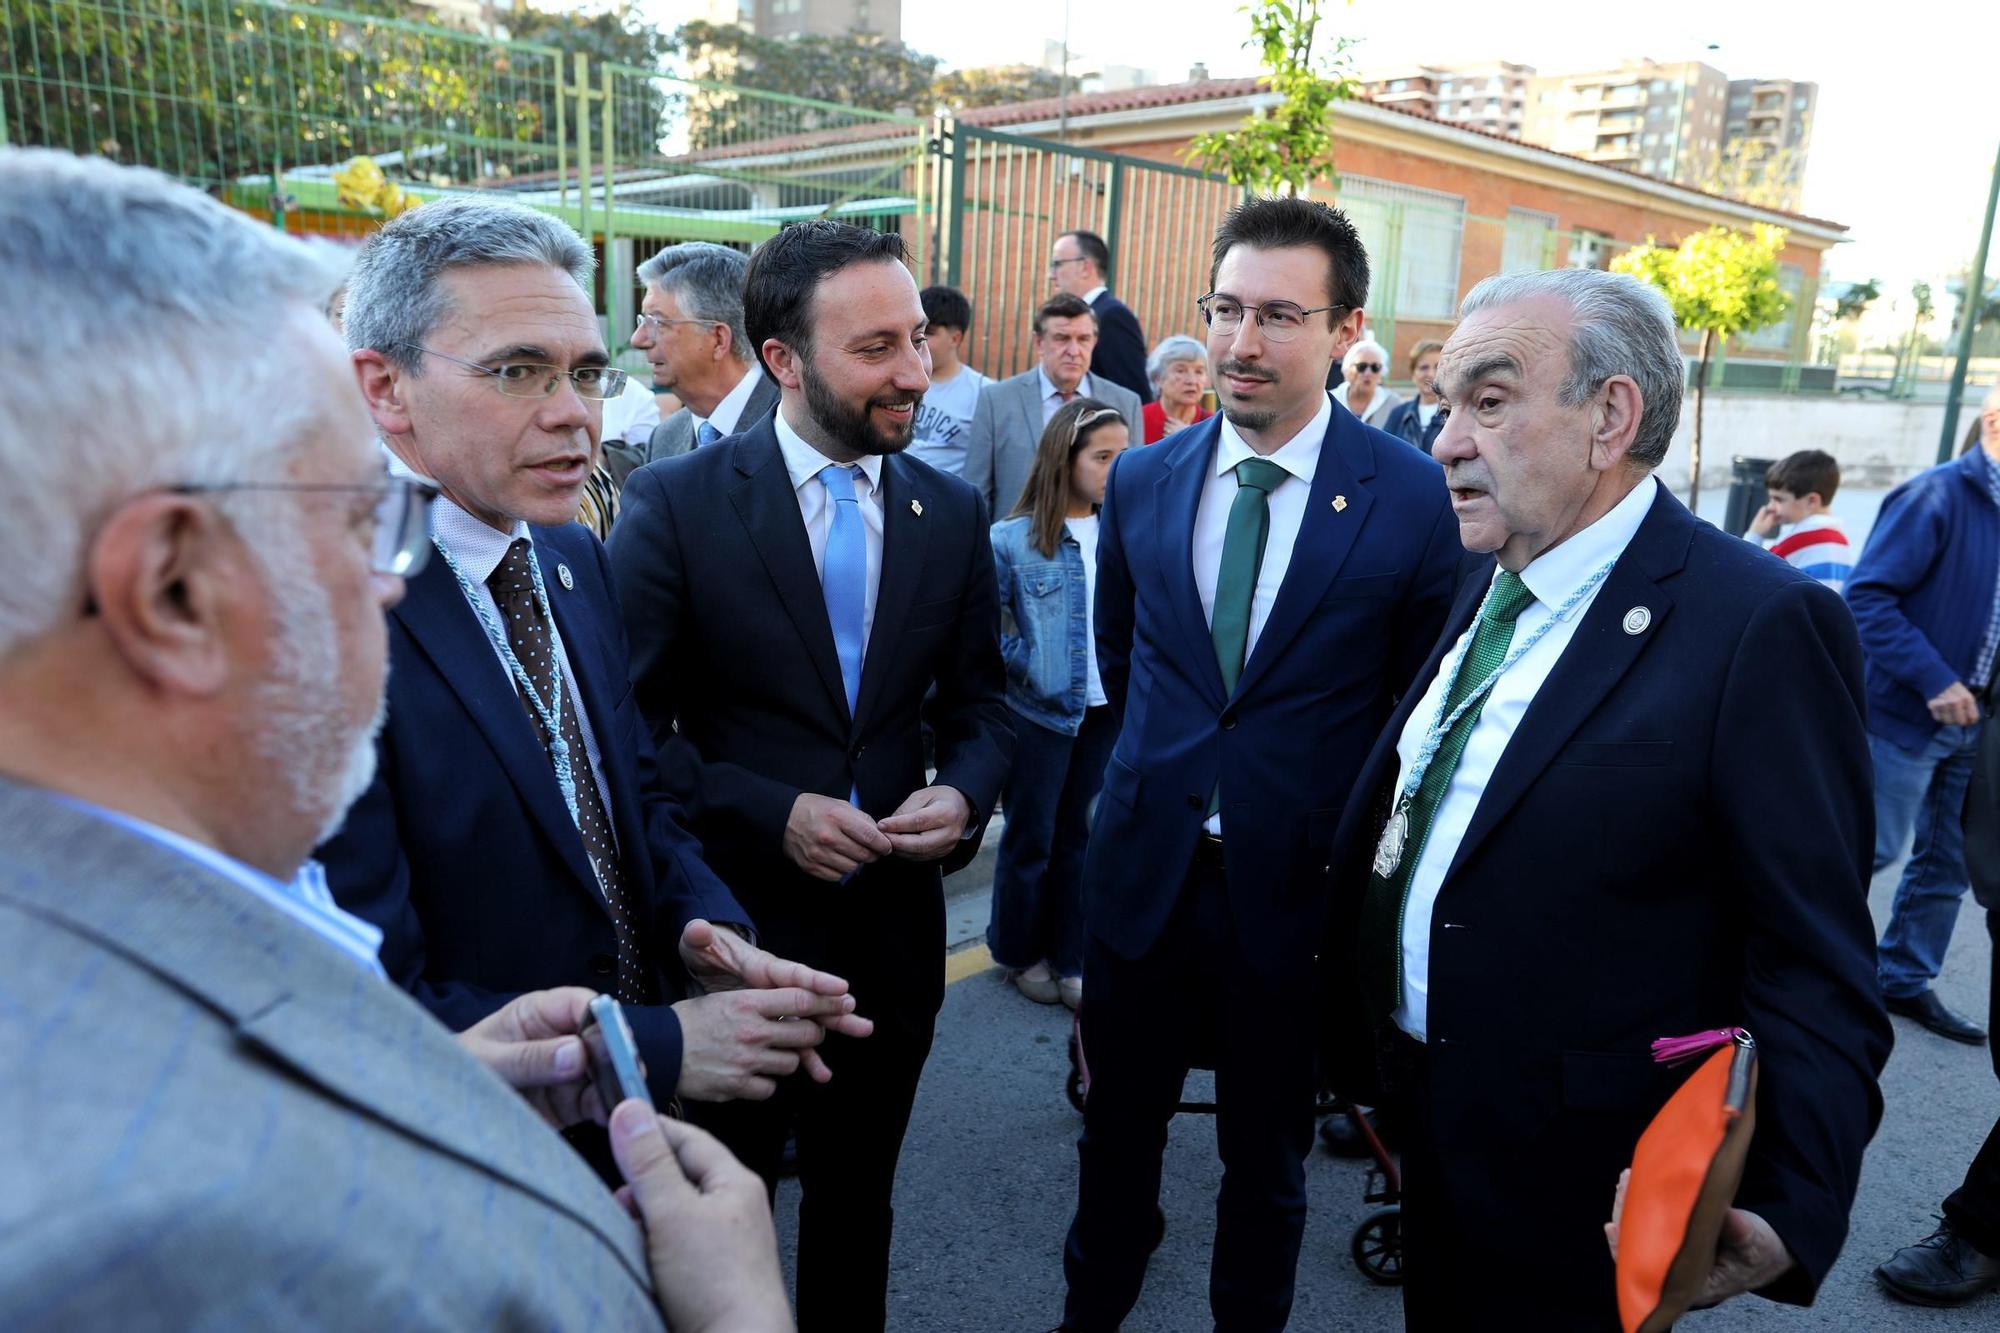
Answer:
(267, 104)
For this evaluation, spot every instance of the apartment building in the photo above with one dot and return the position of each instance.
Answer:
(1490, 96)
(1661, 120)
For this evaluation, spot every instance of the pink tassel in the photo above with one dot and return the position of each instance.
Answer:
(1678, 1050)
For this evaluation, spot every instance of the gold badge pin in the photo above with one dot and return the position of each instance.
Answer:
(1339, 503)
(917, 508)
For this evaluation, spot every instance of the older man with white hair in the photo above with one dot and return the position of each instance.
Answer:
(1570, 841)
(1361, 391)
(218, 1114)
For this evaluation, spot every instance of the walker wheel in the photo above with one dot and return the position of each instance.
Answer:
(1378, 1247)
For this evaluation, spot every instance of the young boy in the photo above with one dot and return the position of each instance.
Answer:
(945, 415)
(1800, 489)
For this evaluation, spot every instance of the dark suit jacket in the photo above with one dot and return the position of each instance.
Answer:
(1362, 599)
(1677, 838)
(1121, 346)
(733, 664)
(462, 849)
(675, 436)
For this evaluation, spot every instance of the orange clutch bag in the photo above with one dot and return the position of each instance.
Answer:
(1684, 1177)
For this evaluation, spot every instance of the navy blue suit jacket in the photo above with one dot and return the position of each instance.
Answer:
(1121, 346)
(462, 850)
(1362, 599)
(1677, 838)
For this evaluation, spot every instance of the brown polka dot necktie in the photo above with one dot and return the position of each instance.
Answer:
(513, 587)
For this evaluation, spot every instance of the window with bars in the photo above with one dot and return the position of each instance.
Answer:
(1425, 248)
(1529, 241)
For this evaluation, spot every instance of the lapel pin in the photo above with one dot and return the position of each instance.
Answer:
(1339, 503)
(564, 577)
(1637, 619)
(917, 508)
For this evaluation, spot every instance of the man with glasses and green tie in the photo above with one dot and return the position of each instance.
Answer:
(515, 836)
(1268, 580)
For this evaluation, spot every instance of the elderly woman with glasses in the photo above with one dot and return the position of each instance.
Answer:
(1178, 369)
(1363, 394)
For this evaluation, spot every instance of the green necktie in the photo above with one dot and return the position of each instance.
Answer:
(1242, 556)
(1382, 908)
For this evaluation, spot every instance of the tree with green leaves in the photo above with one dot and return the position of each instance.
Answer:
(999, 85)
(1285, 150)
(1719, 282)
(856, 69)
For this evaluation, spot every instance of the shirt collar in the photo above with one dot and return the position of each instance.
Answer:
(1090, 297)
(1083, 386)
(728, 413)
(1298, 455)
(305, 898)
(1559, 571)
(477, 548)
(803, 462)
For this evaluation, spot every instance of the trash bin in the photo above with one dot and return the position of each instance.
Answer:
(1746, 493)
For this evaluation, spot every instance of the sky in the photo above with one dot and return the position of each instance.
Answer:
(1909, 102)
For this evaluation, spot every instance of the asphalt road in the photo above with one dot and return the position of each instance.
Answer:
(988, 1174)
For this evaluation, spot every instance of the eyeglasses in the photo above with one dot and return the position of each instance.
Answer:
(654, 323)
(402, 532)
(537, 379)
(1363, 367)
(1280, 321)
(1055, 265)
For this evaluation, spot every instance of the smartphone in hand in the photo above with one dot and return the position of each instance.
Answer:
(615, 1067)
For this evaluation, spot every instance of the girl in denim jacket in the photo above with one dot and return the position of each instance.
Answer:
(1045, 555)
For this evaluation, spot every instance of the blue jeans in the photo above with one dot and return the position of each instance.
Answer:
(1038, 882)
(1926, 789)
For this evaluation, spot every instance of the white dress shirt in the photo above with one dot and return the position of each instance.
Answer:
(728, 414)
(1554, 576)
(1052, 399)
(1085, 532)
(1298, 456)
(803, 464)
(478, 551)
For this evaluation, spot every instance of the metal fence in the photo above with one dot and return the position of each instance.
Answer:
(267, 103)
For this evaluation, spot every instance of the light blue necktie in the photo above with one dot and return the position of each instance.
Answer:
(843, 579)
(706, 434)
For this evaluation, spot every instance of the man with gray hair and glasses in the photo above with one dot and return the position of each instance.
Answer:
(515, 836)
(691, 330)
(218, 1113)
(1570, 842)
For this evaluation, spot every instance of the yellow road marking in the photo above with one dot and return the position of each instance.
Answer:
(967, 963)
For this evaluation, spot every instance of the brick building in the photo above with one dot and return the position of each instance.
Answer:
(1439, 205)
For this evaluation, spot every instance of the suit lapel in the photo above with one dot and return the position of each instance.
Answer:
(446, 630)
(293, 996)
(769, 508)
(1325, 537)
(905, 539)
(1596, 659)
(1177, 496)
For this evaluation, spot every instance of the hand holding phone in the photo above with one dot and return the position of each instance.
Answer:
(615, 1067)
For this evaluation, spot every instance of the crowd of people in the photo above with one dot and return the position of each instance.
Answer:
(1429, 739)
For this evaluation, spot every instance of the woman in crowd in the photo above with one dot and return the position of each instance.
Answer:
(1411, 418)
(1045, 556)
(1178, 369)
(1363, 394)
